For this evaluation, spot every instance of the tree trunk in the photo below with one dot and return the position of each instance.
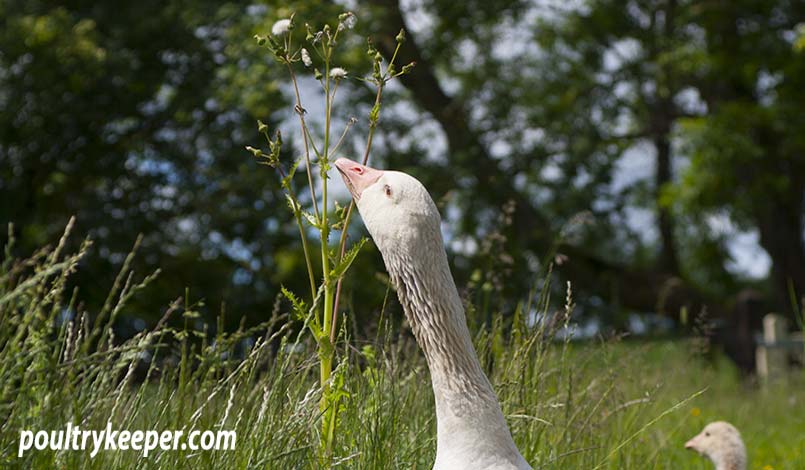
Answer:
(668, 260)
(664, 113)
(781, 236)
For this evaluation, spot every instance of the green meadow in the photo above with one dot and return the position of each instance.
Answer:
(608, 404)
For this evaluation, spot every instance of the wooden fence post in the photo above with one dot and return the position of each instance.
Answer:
(771, 355)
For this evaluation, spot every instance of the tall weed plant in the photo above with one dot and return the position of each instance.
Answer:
(318, 309)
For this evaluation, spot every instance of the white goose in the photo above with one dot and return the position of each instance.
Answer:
(722, 444)
(405, 225)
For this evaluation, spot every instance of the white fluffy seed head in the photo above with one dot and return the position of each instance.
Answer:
(281, 27)
(306, 58)
(348, 19)
(337, 73)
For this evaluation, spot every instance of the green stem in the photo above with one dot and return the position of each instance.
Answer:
(305, 250)
(325, 345)
(325, 228)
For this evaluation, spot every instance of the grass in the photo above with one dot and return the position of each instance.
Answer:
(610, 405)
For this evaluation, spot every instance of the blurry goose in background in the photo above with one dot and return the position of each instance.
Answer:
(722, 444)
(405, 225)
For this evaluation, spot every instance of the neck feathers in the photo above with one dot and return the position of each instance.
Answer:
(432, 305)
(736, 462)
(732, 456)
(471, 429)
(733, 465)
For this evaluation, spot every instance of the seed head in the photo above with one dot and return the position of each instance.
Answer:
(281, 27)
(347, 19)
(337, 73)
(306, 58)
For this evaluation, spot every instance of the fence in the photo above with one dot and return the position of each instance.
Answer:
(776, 347)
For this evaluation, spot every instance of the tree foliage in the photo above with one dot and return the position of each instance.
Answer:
(528, 122)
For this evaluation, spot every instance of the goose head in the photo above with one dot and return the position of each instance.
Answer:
(396, 208)
(722, 444)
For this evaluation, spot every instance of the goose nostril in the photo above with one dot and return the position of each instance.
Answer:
(358, 170)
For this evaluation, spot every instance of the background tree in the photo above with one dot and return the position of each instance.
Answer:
(610, 133)
(113, 112)
(748, 152)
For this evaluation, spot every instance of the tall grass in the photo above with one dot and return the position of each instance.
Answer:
(604, 405)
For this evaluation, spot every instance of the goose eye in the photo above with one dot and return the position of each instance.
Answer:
(707, 434)
(387, 190)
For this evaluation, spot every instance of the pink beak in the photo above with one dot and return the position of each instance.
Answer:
(690, 445)
(357, 177)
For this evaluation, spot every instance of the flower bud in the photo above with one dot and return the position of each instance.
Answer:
(256, 152)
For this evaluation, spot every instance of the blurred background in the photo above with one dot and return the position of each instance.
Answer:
(650, 152)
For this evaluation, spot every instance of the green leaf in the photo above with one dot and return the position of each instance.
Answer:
(311, 219)
(292, 203)
(341, 267)
(286, 182)
(299, 308)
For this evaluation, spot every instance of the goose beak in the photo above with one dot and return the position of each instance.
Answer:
(691, 445)
(357, 177)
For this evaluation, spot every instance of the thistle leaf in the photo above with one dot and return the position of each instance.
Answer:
(341, 267)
